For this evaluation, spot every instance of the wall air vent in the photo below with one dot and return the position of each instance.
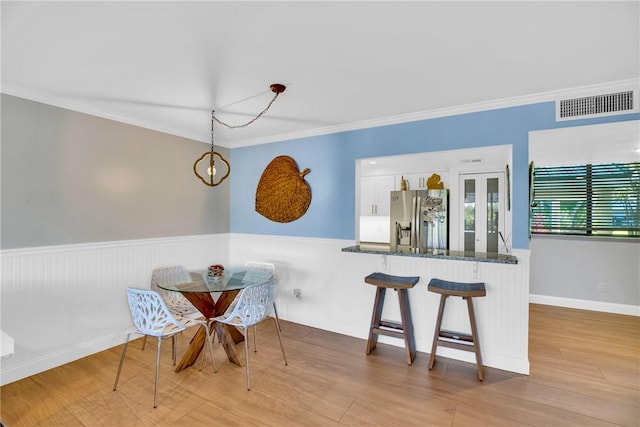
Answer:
(597, 105)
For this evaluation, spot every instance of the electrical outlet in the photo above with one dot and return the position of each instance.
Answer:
(297, 293)
(602, 286)
(474, 272)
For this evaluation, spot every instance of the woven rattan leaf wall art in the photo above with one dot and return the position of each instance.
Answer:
(283, 195)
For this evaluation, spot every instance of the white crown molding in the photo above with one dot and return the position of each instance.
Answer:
(365, 124)
(79, 107)
(453, 111)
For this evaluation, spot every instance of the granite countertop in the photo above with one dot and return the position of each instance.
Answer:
(382, 249)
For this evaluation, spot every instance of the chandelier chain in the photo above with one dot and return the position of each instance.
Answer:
(212, 121)
(212, 180)
(213, 117)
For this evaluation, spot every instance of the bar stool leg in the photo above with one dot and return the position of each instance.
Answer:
(476, 339)
(405, 313)
(436, 334)
(372, 341)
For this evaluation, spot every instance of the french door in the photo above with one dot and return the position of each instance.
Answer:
(482, 211)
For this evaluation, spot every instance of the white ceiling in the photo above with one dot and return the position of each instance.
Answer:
(165, 65)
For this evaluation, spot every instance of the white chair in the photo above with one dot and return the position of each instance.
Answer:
(179, 306)
(271, 268)
(177, 303)
(152, 317)
(174, 275)
(251, 307)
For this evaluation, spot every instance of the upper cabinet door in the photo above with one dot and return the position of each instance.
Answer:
(375, 194)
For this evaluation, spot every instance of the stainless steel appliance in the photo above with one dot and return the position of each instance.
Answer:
(419, 220)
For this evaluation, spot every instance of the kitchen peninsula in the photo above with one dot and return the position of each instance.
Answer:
(382, 249)
(502, 316)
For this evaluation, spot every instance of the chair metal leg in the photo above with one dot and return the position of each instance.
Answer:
(201, 357)
(173, 349)
(246, 357)
(275, 312)
(207, 337)
(144, 341)
(210, 343)
(275, 319)
(209, 340)
(155, 392)
(124, 350)
(255, 349)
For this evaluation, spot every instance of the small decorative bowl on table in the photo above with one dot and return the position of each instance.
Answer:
(216, 271)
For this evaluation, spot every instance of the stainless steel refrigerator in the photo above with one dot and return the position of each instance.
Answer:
(419, 220)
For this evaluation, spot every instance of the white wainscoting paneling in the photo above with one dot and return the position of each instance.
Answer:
(334, 296)
(65, 302)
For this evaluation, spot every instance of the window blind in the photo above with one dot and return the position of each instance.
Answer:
(602, 199)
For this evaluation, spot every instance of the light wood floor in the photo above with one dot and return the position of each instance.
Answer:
(585, 371)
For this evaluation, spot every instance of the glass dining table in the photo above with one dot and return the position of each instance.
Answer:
(200, 292)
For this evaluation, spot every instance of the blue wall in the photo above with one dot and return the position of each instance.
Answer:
(332, 160)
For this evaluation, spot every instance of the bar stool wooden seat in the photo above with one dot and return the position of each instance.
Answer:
(460, 341)
(402, 329)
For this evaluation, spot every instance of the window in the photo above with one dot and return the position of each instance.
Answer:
(591, 200)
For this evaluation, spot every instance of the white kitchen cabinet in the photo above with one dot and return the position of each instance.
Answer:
(418, 181)
(374, 194)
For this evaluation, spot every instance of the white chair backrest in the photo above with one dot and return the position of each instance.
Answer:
(258, 265)
(149, 312)
(174, 275)
(253, 304)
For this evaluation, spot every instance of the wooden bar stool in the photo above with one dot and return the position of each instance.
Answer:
(460, 341)
(402, 329)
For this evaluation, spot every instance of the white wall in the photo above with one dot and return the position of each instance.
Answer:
(66, 302)
(568, 271)
(603, 143)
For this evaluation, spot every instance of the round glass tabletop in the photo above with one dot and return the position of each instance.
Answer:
(233, 279)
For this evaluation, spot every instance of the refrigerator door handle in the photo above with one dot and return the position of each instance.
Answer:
(415, 226)
(418, 205)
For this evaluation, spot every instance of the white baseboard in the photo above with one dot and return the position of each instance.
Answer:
(52, 360)
(607, 307)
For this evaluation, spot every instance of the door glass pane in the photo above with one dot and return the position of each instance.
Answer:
(492, 215)
(470, 215)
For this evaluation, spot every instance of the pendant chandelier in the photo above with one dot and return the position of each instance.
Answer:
(213, 175)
